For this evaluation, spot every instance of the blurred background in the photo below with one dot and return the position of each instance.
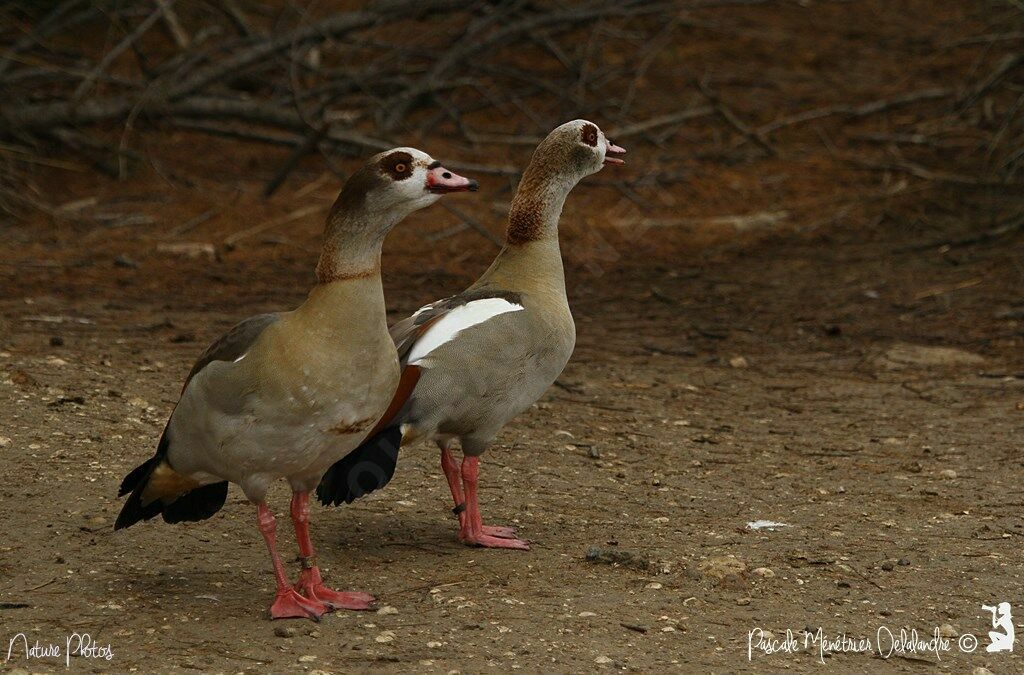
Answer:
(800, 300)
(147, 130)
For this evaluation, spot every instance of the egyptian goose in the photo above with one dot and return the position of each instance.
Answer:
(287, 395)
(472, 362)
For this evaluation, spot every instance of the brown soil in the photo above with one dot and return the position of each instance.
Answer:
(842, 371)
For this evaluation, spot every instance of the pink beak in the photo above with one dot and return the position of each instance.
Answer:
(442, 181)
(614, 150)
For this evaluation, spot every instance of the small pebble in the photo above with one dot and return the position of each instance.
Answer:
(765, 572)
(738, 362)
(742, 602)
(433, 644)
(888, 566)
(903, 562)
(654, 586)
(947, 631)
(948, 473)
(308, 658)
(386, 636)
(981, 670)
(387, 609)
(284, 631)
(56, 341)
(602, 659)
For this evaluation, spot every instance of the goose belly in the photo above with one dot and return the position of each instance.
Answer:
(296, 433)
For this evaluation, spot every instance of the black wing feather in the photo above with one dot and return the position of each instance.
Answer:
(367, 468)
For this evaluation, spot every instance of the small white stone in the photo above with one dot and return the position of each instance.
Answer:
(947, 631)
(308, 658)
(948, 473)
(765, 572)
(386, 636)
(602, 659)
(654, 586)
(434, 644)
(4, 441)
(387, 609)
(661, 519)
(586, 614)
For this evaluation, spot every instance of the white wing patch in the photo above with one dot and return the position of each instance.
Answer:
(458, 320)
(240, 358)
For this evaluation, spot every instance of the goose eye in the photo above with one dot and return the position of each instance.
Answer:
(592, 137)
(400, 168)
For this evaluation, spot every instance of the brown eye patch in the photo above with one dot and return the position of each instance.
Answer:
(397, 165)
(589, 133)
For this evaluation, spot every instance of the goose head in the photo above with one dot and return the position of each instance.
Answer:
(578, 149)
(397, 182)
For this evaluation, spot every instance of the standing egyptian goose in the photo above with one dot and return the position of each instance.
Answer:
(472, 362)
(286, 395)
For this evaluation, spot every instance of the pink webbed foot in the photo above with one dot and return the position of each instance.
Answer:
(289, 604)
(314, 589)
(500, 531)
(489, 541)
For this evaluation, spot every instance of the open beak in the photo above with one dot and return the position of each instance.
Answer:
(611, 155)
(442, 181)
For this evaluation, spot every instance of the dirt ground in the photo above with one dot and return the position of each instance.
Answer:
(854, 371)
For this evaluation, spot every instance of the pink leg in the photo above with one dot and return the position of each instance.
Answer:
(311, 584)
(287, 604)
(472, 530)
(451, 472)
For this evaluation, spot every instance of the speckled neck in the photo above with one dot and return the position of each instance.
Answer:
(352, 245)
(539, 199)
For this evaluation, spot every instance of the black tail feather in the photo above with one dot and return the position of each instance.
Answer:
(367, 468)
(193, 505)
(138, 476)
(133, 510)
(198, 504)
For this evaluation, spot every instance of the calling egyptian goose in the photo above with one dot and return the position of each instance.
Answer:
(286, 395)
(472, 362)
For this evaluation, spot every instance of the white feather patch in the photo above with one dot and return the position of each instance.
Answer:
(458, 320)
(240, 358)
